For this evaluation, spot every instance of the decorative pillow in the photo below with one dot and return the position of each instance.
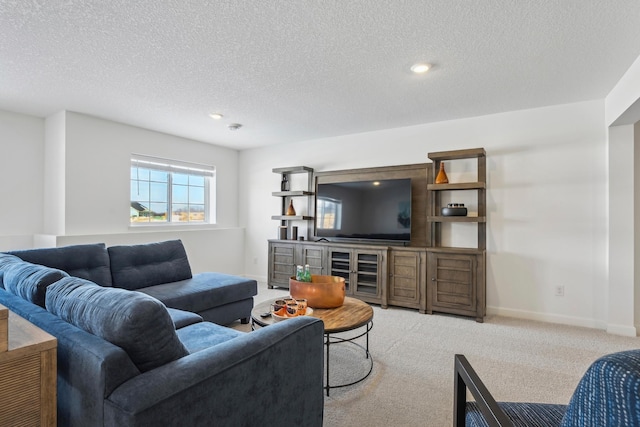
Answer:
(141, 266)
(138, 323)
(30, 281)
(5, 260)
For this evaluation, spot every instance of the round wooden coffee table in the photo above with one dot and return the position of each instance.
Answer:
(353, 314)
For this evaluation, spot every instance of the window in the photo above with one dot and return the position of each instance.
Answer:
(168, 191)
(329, 213)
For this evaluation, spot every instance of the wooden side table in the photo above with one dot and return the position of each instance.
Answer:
(28, 369)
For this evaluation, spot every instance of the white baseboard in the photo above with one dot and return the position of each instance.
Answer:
(624, 330)
(550, 318)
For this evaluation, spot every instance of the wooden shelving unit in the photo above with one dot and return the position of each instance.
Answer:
(288, 195)
(456, 281)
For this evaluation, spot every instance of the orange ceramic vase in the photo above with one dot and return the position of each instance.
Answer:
(442, 175)
(291, 210)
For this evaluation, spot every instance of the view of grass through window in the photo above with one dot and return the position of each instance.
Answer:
(163, 191)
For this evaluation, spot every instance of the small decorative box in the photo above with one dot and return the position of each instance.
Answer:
(454, 209)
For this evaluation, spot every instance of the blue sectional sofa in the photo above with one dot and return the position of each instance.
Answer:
(159, 269)
(126, 359)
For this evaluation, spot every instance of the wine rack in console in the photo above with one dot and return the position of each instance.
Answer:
(364, 271)
(456, 280)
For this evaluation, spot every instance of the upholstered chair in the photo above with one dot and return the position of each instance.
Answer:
(607, 395)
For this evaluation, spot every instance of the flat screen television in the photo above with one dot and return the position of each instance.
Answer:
(364, 210)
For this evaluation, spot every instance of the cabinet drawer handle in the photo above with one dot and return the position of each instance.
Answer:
(433, 279)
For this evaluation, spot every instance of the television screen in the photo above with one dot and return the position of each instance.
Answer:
(366, 210)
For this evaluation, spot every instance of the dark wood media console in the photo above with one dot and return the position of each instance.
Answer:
(421, 274)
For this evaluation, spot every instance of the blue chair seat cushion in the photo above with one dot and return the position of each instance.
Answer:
(136, 322)
(204, 291)
(30, 281)
(520, 414)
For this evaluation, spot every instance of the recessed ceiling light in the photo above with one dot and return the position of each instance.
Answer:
(376, 183)
(420, 68)
(215, 116)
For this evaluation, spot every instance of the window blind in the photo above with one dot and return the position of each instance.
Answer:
(170, 165)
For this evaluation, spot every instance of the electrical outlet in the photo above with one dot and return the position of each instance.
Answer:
(255, 260)
(560, 291)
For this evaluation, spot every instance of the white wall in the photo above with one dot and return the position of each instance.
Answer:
(622, 112)
(547, 215)
(97, 172)
(83, 163)
(98, 156)
(54, 173)
(622, 104)
(21, 178)
(621, 255)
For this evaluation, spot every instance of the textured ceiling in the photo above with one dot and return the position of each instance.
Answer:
(298, 70)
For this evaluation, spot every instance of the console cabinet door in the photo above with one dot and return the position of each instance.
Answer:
(455, 283)
(282, 264)
(367, 275)
(407, 278)
(339, 264)
(314, 256)
(363, 272)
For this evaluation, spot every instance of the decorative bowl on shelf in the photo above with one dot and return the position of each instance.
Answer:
(321, 292)
(454, 209)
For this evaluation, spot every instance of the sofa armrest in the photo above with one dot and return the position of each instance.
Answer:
(271, 375)
(465, 377)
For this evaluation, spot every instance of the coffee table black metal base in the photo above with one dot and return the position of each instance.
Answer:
(331, 339)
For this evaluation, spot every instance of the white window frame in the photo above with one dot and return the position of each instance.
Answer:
(176, 166)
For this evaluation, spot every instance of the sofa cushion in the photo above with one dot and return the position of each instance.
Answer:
(30, 281)
(6, 259)
(200, 336)
(140, 266)
(89, 261)
(133, 321)
(204, 291)
(182, 318)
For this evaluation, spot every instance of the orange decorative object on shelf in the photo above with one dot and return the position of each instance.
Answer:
(291, 211)
(321, 292)
(442, 175)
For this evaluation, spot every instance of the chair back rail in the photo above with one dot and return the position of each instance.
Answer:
(466, 378)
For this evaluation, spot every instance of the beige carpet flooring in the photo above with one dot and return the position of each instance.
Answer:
(412, 379)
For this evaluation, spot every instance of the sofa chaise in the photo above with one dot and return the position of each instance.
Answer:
(125, 359)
